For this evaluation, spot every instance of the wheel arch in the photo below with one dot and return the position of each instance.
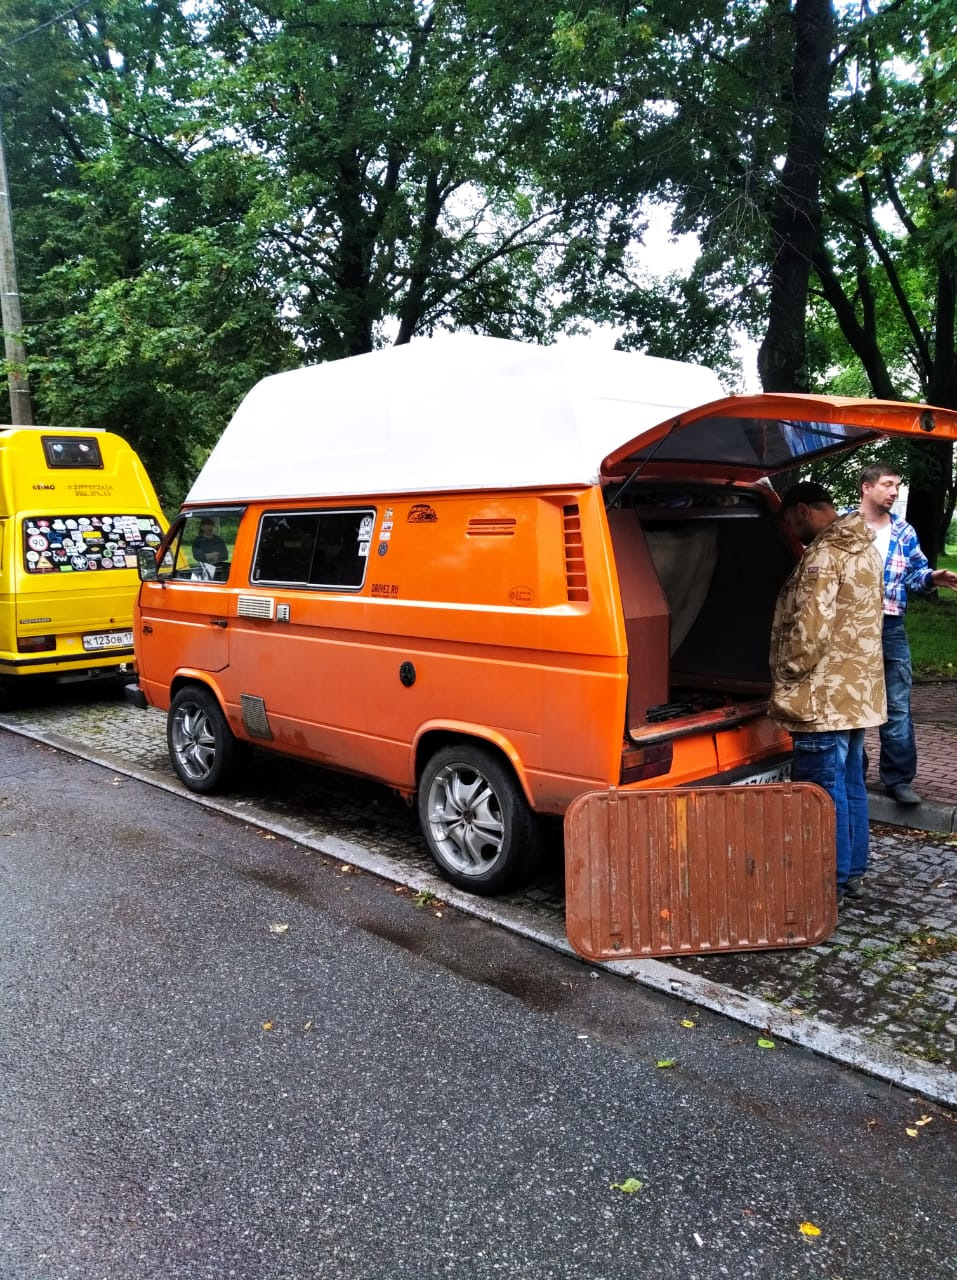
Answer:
(200, 678)
(434, 737)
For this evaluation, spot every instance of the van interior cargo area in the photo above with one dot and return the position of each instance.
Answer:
(699, 569)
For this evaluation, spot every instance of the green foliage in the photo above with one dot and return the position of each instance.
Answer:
(146, 307)
(207, 191)
(932, 629)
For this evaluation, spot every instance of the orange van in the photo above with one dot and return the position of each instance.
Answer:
(493, 576)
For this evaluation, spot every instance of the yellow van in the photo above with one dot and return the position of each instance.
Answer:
(499, 578)
(75, 507)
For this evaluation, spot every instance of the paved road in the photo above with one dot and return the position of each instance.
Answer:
(223, 1056)
(880, 994)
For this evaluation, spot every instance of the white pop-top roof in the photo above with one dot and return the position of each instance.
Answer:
(447, 413)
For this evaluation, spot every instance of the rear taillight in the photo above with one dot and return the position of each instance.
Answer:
(35, 644)
(646, 762)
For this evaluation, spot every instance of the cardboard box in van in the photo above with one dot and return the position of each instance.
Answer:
(75, 508)
(501, 578)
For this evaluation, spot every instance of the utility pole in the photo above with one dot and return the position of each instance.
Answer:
(21, 407)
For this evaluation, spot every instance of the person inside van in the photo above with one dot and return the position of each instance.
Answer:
(209, 550)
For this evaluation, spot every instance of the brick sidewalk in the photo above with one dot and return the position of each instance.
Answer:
(934, 706)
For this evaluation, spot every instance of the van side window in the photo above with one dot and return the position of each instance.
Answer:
(201, 549)
(314, 548)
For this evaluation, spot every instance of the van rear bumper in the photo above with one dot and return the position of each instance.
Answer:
(53, 663)
(135, 696)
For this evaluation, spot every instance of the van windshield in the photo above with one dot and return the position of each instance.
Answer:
(85, 543)
(201, 549)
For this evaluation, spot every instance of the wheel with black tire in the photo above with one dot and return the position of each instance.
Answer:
(204, 752)
(475, 819)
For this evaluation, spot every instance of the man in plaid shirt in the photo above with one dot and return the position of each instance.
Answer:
(905, 569)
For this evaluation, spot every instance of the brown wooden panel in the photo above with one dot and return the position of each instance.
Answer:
(693, 871)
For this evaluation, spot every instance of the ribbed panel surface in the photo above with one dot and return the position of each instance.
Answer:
(255, 606)
(576, 580)
(680, 872)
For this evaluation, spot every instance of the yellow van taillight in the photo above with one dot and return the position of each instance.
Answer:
(646, 762)
(35, 644)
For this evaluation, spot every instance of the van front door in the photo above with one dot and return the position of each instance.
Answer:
(699, 870)
(184, 613)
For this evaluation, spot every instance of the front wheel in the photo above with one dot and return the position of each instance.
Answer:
(204, 752)
(475, 819)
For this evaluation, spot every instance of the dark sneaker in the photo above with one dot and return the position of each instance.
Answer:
(854, 887)
(904, 793)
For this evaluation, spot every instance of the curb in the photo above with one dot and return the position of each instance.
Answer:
(850, 1049)
(929, 815)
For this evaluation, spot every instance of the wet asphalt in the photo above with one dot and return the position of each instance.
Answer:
(225, 1056)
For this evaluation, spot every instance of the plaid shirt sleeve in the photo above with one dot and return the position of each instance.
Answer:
(905, 569)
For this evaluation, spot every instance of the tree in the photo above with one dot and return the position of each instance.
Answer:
(887, 254)
(795, 214)
(438, 164)
(212, 191)
(146, 305)
(813, 152)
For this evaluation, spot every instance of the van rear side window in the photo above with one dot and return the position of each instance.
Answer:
(314, 548)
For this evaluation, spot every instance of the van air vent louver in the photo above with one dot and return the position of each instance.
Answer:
(492, 527)
(576, 582)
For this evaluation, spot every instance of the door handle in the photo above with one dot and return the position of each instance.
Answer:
(219, 622)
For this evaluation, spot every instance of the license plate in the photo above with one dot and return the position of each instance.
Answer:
(780, 773)
(107, 640)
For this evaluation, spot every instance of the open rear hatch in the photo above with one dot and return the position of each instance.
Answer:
(696, 870)
(700, 557)
(745, 438)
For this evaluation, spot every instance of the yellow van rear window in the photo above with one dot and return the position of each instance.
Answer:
(74, 452)
(83, 544)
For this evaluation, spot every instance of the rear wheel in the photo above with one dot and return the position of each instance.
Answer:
(475, 819)
(202, 747)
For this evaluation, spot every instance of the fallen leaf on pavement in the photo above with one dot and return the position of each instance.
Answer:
(629, 1186)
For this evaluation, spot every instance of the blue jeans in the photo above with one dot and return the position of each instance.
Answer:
(898, 747)
(835, 761)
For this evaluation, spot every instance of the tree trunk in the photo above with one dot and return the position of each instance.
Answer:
(928, 496)
(782, 361)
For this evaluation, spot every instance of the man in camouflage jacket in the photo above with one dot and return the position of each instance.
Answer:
(827, 666)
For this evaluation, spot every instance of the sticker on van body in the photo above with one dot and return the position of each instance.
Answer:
(421, 513)
(65, 544)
